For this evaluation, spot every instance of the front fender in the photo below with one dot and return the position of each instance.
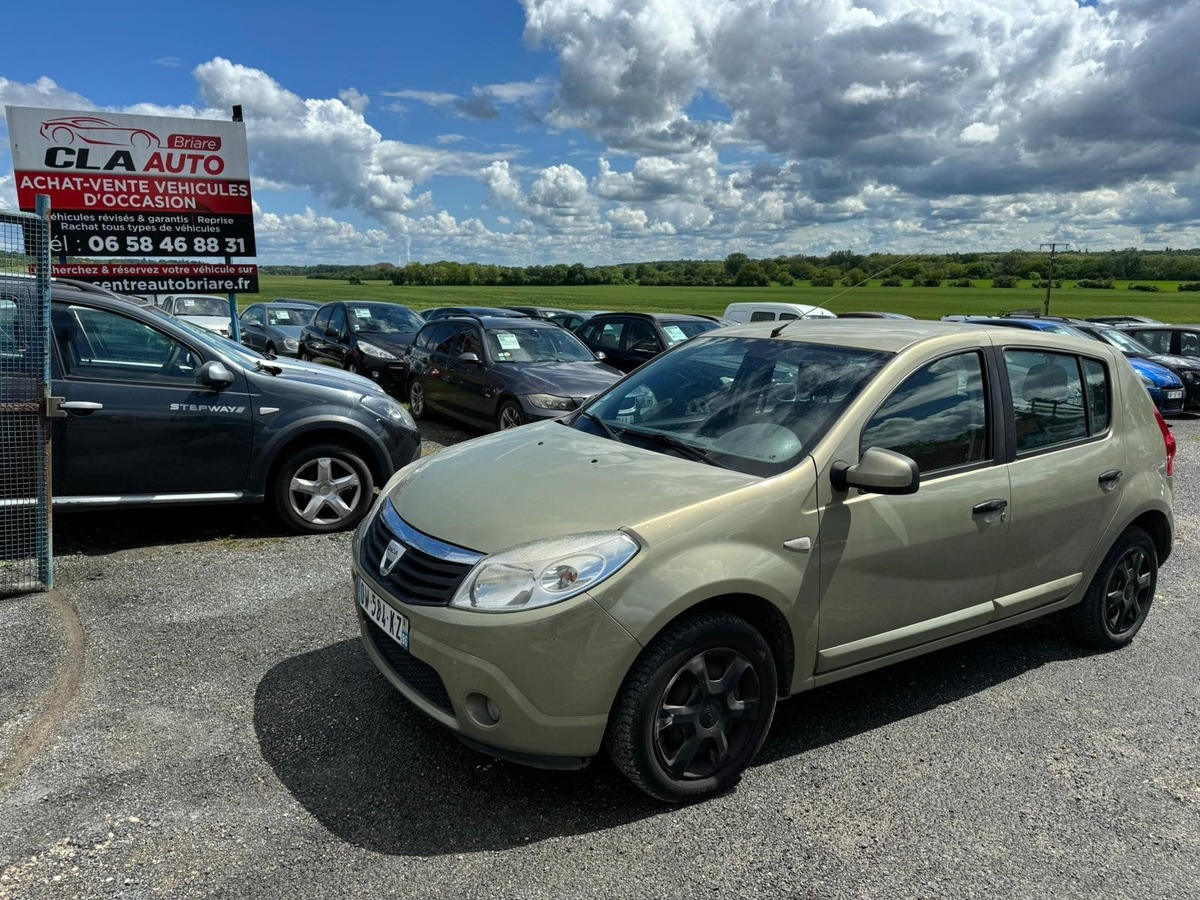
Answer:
(321, 423)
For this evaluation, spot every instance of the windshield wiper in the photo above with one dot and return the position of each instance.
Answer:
(691, 451)
(608, 429)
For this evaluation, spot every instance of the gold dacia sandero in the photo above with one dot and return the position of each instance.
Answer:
(763, 510)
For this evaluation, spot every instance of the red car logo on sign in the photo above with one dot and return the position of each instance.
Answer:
(94, 130)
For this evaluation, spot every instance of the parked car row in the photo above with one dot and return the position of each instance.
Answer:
(1171, 379)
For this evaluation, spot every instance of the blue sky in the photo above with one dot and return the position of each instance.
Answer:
(603, 131)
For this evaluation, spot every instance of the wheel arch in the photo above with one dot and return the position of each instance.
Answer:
(1158, 526)
(765, 617)
(380, 468)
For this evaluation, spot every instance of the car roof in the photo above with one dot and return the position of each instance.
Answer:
(655, 316)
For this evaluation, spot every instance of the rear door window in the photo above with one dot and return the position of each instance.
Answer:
(1050, 405)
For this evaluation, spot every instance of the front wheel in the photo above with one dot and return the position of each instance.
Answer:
(1119, 597)
(509, 415)
(352, 368)
(322, 488)
(304, 355)
(695, 708)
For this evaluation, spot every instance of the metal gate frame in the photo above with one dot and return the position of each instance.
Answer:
(26, 535)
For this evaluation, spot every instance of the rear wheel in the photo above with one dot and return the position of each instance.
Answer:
(322, 488)
(416, 400)
(695, 708)
(1119, 597)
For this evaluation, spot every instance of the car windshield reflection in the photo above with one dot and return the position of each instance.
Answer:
(536, 345)
(750, 404)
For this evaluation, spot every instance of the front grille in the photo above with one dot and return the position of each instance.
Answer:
(418, 675)
(423, 576)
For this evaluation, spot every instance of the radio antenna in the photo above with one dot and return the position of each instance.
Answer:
(775, 332)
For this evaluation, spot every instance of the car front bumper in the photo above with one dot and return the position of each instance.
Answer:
(551, 674)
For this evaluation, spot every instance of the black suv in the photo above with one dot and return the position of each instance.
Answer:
(497, 372)
(157, 413)
(628, 339)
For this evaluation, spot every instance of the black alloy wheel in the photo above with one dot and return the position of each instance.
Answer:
(1118, 599)
(695, 708)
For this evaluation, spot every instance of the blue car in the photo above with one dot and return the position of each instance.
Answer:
(1163, 385)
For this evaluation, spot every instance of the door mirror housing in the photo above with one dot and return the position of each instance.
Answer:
(878, 472)
(215, 374)
(468, 357)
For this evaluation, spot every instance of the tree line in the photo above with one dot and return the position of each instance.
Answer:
(840, 267)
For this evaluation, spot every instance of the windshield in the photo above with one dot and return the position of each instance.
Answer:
(383, 318)
(1126, 343)
(751, 404)
(290, 316)
(201, 306)
(679, 331)
(524, 345)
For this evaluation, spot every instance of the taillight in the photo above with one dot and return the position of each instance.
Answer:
(1168, 439)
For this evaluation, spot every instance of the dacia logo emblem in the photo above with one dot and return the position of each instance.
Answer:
(391, 556)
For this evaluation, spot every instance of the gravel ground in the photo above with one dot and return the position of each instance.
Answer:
(190, 715)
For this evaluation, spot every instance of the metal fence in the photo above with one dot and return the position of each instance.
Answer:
(25, 536)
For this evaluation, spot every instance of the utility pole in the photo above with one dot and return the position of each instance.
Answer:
(1050, 275)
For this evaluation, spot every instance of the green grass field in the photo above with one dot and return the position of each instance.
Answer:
(923, 303)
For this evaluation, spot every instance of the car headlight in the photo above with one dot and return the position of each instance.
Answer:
(550, 401)
(389, 410)
(289, 344)
(543, 572)
(372, 350)
(1190, 377)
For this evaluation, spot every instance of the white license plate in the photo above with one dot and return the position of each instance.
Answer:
(382, 614)
(1174, 395)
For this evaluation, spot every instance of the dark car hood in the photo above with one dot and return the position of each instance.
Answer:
(287, 331)
(391, 340)
(1171, 361)
(575, 379)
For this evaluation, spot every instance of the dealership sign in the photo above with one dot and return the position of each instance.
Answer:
(144, 186)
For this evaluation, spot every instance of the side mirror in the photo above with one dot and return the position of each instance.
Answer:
(468, 357)
(215, 374)
(878, 472)
(332, 332)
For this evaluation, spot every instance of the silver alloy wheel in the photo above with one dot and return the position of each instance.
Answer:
(416, 399)
(352, 368)
(510, 417)
(325, 491)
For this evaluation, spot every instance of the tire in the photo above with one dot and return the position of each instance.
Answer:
(707, 752)
(1119, 597)
(509, 415)
(352, 368)
(322, 488)
(416, 400)
(304, 356)
(269, 352)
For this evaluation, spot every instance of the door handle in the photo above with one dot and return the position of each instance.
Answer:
(81, 405)
(1108, 480)
(989, 506)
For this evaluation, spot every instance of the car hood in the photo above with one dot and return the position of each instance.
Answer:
(1171, 361)
(394, 341)
(287, 331)
(574, 379)
(1159, 374)
(313, 373)
(211, 322)
(545, 480)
